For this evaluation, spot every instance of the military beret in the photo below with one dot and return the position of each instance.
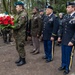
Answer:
(50, 7)
(18, 3)
(6, 13)
(70, 3)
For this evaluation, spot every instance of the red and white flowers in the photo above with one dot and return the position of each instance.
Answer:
(6, 21)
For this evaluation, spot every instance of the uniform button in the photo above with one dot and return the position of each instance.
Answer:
(65, 31)
(65, 28)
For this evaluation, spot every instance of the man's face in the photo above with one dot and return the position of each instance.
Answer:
(48, 11)
(34, 10)
(60, 16)
(18, 8)
(41, 13)
(70, 9)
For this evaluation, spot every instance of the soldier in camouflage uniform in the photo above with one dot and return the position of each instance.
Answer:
(19, 32)
(36, 24)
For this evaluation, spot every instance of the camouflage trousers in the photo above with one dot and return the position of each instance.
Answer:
(20, 46)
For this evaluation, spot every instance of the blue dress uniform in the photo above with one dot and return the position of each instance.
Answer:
(67, 33)
(50, 29)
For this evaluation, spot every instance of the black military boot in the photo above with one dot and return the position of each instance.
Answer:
(66, 72)
(22, 62)
(18, 60)
(61, 68)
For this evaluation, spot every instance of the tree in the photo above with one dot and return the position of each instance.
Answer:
(58, 5)
(8, 6)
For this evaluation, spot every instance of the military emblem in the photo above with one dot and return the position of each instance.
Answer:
(35, 17)
(51, 19)
(72, 21)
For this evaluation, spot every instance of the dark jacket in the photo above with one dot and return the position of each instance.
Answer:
(67, 32)
(50, 28)
(36, 24)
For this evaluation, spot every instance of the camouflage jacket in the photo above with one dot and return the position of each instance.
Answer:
(21, 24)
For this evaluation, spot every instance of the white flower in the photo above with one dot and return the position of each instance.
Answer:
(1, 15)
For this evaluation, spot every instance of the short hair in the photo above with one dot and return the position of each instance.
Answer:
(36, 8)
(60, 13)
(22, 6)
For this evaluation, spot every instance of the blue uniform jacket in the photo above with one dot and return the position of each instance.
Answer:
(67, 32)
(50, 28)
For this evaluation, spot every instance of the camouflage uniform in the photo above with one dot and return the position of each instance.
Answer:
(19, 33)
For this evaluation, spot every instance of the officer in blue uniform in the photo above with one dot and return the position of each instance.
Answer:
(50, 29)
(67, 36)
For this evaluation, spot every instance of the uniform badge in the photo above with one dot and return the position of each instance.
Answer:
(51, 19)
(35, 17)
(23, 16)
(72, 21)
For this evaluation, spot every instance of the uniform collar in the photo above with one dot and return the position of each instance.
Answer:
(35, 14)
(20, 11)
(72, 13)
(50, 14)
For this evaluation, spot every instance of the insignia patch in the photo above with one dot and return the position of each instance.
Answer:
(23, 16)
(51, 19)
(35, 17)
(72, 20)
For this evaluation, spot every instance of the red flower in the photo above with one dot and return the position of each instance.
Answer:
(11, 22)
(1, 18)
(8, 18)
(5, 22)
(12, 19)
(0, 22)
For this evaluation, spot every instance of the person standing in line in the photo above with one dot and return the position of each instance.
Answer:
(19, 32)
(50, 29)
(36, 28)
(67, 38)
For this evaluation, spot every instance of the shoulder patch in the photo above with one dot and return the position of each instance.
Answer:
(23, 16)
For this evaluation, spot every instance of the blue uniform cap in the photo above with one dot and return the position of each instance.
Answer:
(18, 3)
(50, 7)
(70, 3)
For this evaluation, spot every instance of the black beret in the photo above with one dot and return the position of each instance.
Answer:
(50, 7)
(70, 3)
(18, 3)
